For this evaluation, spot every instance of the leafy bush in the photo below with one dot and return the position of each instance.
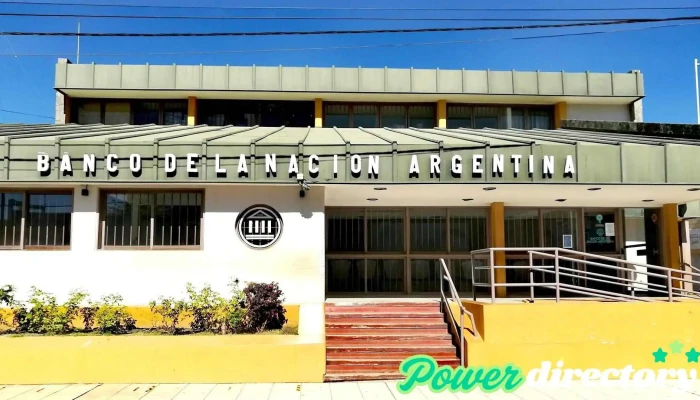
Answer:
(46, 315)
(264, 310)
(7, 295)
(213, 313)
(109, 316)
(170, 312)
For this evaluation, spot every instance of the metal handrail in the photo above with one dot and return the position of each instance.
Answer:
(685, 264)
(672, 276)
(462, 311)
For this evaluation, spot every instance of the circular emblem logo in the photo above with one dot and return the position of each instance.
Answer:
(259, 226)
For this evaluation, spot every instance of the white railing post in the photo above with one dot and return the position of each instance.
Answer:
(532, 279)
(461, 336)
(492, 276)
(473, 278)
(556, 272)
(670, 285)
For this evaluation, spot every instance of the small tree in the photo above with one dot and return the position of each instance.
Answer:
(170, 312)
(264, 310)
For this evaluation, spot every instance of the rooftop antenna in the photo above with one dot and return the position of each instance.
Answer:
(77, 54)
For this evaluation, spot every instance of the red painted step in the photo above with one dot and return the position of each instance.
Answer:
(387, 330)
(369, 341)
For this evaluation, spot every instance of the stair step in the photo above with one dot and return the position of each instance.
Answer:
(385, 356)
(385, 314)
(384, 360)
(390, 366)
(385, 304)
(413, 337)
(403, 322)
(379, 331)
(366, 376)
(435, 308)
(384, 343)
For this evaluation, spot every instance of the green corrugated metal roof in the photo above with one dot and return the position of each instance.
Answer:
(598, 157)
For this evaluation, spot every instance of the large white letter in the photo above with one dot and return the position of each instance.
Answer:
(242, 166)
(530, 164)
(476, 164)
(516, 163)
(457, 165)
(65, 164)
(569, 168)
(135, 163)
(335, 165)
(313, 164)
(271, 163)
(548, 166)
(497, 167)
(414, 166)
(42, 162)
(112, 165)
(373, 166)
(191, 163)
(434, 165)
(355, 164)
(217, 165)
(170, 163)
(293, 165)
(89, 163)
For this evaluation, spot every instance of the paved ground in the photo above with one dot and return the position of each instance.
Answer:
(326, 391)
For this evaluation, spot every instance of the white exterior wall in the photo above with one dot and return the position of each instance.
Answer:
(296, 260)
(598, 112)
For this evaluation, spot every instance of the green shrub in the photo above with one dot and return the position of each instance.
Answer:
(213, 313)
(264, 310)
(46, 315)
(170, 312)
(7, 295)
(109, 316)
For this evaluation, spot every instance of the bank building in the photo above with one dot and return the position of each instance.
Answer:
(382, 186)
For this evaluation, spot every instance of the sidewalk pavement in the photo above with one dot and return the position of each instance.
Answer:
(376, 390)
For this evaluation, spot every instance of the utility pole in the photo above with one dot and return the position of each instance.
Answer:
(77, 54)
(697, 90)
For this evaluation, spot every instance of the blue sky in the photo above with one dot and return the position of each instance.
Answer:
(665, 56)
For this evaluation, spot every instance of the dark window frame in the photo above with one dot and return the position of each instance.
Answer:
(25, 212)
(502, 119)
(77, 103)
(379, 105)
(102, 245)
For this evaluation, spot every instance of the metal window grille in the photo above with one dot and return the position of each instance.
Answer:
(11, 205)
(48, 221)
(169, 219)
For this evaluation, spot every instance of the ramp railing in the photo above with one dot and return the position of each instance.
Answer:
(454, 297)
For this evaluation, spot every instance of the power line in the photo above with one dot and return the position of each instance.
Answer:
(354, 32)
(169, 6)
(238, 17)
(21, 113)
(371, 46)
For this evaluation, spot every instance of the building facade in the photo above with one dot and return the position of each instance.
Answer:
(363, 178)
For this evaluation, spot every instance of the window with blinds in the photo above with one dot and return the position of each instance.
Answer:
(459, 116)
(522, 227)
(393, 116)
(151, 219)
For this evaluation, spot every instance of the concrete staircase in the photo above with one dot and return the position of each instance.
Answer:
(369, 341)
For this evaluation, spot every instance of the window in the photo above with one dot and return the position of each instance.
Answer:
(175, 113)
(366, 116)
(117, 113)
(90, 113)
(428, 230)
(253, 112)
(148, 220)
(11, 219)
(600, 231)
(517, 118)
(522, 227)
(146, 112)
(385, 230)
(337, 115)
(488, 117)
(559, 223)
(540, 119)
(393, 116)
(46, 223)
(421, 116)
(467, 229)
(345, 230)
(495, 117)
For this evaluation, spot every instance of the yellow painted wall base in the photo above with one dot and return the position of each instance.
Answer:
(583, 334)
(161, 359)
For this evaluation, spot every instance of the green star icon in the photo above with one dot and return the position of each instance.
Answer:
(659, 355)
(676, 347)
(692, 355)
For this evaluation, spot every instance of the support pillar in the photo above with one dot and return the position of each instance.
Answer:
(191, 111)
(442, 114)
(670, 240)
(318, 113)
(559, 114)
(498, 239)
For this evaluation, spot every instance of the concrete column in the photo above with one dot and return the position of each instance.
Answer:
(636, 111)
(191, 111)
(62, 109)
(498, 239)
(318, 113)
(559, 114)
(670, 240)
(442, 113)
(686, 253)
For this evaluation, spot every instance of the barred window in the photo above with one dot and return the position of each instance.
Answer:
(148, 220)
(11, 219)
(48, 221)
